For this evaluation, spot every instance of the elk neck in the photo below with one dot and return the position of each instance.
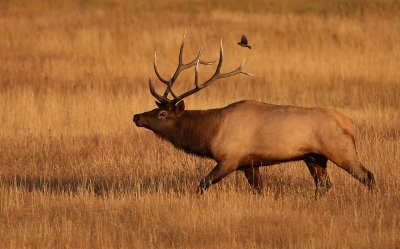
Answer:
(194, 131)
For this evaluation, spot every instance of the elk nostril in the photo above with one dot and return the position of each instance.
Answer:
(136, 118)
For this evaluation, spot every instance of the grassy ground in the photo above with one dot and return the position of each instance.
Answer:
(76, 173)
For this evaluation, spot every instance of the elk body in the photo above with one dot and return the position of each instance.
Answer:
(247, 135)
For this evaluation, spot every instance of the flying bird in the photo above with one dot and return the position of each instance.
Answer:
(243, 42)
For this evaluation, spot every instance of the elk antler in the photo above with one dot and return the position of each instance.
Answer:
(179, 69)
(217, 75)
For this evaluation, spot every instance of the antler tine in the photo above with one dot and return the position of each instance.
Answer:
(217, 75)
(181, 49)
(196, 75)
(155, 94)
(241, 66)
(178, 69)
(156, 70)
(234, 72)
(221, 58)
(193, 62)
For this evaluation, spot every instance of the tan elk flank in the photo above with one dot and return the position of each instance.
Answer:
(248, 134)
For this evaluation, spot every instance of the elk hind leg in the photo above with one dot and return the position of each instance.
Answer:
(317, 166)
(347, 159)
(358, 171)
(254, 179)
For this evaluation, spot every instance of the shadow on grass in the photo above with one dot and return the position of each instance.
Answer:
(179, 183)
(101, 186)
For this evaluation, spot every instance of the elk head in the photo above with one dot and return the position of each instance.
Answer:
(164, 117)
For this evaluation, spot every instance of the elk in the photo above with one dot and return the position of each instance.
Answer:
(246, 135)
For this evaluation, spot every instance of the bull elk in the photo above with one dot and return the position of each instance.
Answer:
(248, 134)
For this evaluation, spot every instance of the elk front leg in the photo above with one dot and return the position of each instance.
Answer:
(221, 170)
(254, 178)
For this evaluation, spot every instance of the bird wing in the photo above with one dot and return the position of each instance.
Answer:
(243, 40)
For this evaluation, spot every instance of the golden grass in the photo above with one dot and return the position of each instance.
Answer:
(76, 173)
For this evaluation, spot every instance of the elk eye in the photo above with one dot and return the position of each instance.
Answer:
(162, 114)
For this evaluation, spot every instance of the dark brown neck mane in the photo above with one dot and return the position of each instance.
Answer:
(194, 131)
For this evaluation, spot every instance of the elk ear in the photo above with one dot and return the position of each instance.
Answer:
(180, 106)
(159, 104)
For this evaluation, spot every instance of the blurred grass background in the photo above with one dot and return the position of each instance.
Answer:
(75, 171)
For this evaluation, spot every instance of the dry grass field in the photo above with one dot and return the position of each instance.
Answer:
(76, 173)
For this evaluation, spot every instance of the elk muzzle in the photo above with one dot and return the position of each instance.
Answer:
(137, 120)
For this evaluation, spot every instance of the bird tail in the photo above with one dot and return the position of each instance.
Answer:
(249, 46)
